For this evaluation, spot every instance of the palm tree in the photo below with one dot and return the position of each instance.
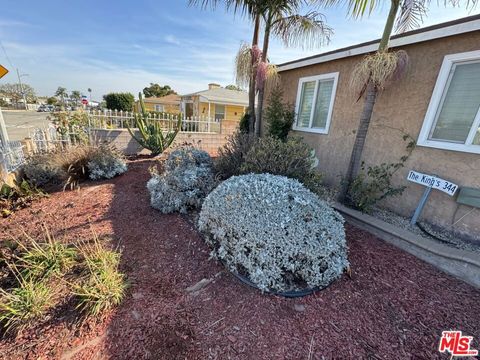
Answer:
(90, 93)
(76, 96)
(61, 93)
(380, 67)
(253, 9)
(281, 19)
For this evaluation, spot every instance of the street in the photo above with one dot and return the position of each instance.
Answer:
(20, 123)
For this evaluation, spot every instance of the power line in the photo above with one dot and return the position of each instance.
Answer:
(6, 55)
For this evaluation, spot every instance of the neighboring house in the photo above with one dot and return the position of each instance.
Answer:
(169, 104)
(437, 103)
(216, 103)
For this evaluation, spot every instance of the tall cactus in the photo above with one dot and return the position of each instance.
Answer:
(152, 136)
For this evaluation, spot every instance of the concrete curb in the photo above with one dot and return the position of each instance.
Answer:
(462, 264)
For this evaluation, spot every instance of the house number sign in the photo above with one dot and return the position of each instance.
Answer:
(431, 182)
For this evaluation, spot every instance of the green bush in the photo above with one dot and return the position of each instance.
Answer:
(292, 158)
(232, 155)
(278, 116)
(119, 101)
(372, 185)
(244, 123)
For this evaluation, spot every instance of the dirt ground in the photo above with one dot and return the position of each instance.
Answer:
(394, 306)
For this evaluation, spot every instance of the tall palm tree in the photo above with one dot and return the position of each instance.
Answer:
(90, 93)
(282, 19)
(407, 14)
(253, 10)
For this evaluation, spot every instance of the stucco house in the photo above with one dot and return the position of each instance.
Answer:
(216, 103)
(169, 104)
(437, 103)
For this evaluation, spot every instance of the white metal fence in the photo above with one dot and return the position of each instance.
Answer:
(11, 156)
(112, 119)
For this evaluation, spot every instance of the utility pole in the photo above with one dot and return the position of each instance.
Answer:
(21, 89)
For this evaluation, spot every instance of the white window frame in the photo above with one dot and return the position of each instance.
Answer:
(158, 105)
(437, 100)
(317, 79)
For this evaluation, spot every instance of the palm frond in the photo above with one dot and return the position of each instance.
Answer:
(356, 8)
(243, 65)
(411, 14)
(306, 31)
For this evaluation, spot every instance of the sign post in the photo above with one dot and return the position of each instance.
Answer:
(3, 128)
(431, 182)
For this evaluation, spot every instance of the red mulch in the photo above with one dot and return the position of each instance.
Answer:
(395, 306)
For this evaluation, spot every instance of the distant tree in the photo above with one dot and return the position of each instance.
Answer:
(90, 93)
(14, 92)
(61, 93)
(52, 100)
(119, 101)
(155, 90)
(233, 87)
(76, 96)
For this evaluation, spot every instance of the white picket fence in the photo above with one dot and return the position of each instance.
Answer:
(113, 119)
(11, 156)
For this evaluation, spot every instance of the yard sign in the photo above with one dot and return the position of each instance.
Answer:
(431, 182)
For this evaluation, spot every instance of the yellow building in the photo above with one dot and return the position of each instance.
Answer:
(169, 104)
(217, 103)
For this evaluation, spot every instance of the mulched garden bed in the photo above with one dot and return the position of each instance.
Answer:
(394, 306)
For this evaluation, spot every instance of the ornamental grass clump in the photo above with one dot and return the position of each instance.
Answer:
(41, 260)
(275, 232)
(187, 179)
(24, 304)
(104, 285)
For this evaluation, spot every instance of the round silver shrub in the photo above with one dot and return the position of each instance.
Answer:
(186, 181)
(274, 231)
(106, 163)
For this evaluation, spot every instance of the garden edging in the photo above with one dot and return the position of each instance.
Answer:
(459, 263)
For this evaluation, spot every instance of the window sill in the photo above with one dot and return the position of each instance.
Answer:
(472, 149)
(310, 130)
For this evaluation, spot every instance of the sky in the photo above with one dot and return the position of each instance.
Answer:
(122, 46)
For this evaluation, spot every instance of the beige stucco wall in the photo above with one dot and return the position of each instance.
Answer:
(399, 109)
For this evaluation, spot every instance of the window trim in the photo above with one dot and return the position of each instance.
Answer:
(317, 78)
(437, 99)
(156, 105)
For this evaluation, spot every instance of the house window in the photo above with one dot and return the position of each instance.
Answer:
(452, 121)
(159, 108)
(315, 98)
(219, 112)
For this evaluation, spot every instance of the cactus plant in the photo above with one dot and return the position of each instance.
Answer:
(152, 136)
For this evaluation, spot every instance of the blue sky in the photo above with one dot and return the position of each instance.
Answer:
(123, 45)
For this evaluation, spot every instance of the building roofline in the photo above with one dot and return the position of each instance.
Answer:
(438, 31)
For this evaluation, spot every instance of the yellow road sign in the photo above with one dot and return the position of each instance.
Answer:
(3, 71)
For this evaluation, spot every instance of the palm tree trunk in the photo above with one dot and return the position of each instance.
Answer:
(253, 76)
(261, 92)
(366, 116)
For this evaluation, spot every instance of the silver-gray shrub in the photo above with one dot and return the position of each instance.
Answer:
(275, 231)
(106, 162)
(185, 182)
